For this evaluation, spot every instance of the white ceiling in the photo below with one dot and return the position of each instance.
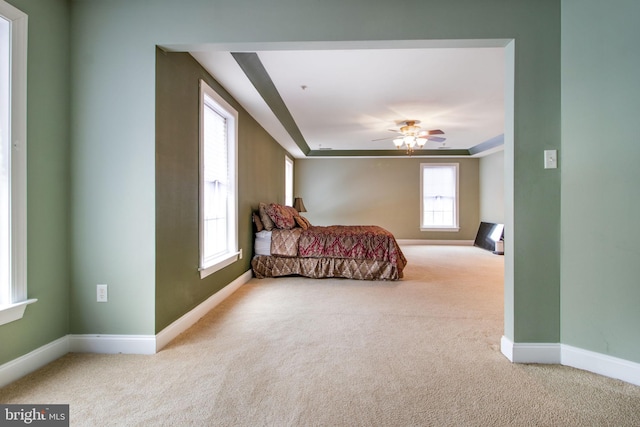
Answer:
(343, 99)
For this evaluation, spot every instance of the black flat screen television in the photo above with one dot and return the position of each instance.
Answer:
(488, 234)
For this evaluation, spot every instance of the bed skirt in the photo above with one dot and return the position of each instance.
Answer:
(319, 268)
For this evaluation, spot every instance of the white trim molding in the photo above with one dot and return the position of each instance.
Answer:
(169, 333)
(114, 344)
(530, 352)
(562, 354)
(150, 344)
(32, 361)
(14, 312)
(220, 263)
(601, 364)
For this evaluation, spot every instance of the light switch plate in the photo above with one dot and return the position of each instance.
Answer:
(550, 159)
(102, 295)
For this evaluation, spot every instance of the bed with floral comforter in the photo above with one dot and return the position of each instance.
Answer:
(364, 252)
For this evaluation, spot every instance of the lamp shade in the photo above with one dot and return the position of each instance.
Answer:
(298, 204)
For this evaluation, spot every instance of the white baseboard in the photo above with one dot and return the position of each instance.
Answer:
(113, 344)
(32, 361)
(601, 364)
(574, 357)
(530, 352)
(189, 319)
(409, 242)
(150, 344)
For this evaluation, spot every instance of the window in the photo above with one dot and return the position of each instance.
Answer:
(218, 182)
(288, 181)
(13, 163)
(439, 192)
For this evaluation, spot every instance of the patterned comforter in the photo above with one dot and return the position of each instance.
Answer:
(349, 241)
(351, 251)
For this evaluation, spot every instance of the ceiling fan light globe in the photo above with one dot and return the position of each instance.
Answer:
(398, 142)
(410, 141)
(421, 142)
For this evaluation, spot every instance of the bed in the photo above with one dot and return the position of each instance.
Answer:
(287, 244)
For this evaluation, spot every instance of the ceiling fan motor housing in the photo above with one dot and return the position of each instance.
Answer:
(410, 128)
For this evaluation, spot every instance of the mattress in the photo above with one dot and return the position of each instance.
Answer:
(262, 244)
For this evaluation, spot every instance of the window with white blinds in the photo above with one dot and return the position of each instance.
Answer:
(13, 163)
(5, 163)
(439, 196)
(288, 181)
(218, 189)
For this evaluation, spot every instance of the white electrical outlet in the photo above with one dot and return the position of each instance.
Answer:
(102, 295)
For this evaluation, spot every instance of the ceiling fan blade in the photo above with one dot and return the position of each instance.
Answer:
(436, 139)
(427, 133)
(382, 139)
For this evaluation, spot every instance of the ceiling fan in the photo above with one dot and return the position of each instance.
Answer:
(411, 135)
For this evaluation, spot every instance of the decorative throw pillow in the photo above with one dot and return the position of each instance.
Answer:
(265, 218)
(257, 222)
(303, 222)
(294, 213)
(281, 216)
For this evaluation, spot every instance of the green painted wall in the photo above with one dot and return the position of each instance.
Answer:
(113, 133)
(384, 192)
(112, 138)
(47, 181)
(92, 145)
(600, 174)
(112, 167)
(261, 177)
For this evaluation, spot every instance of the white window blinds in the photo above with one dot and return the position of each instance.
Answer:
(218, 187)
(216, 181)
(439, 196)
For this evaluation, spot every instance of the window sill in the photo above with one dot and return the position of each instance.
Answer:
(220, 263)
(15, 311)
(450, 229)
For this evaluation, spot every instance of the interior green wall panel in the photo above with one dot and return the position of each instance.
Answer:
(261, 177)
(112, 168)
(600, 151)
(104, 55)
(48, 258)
(113, 131)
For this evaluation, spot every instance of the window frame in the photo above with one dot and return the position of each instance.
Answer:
(16, 289)
(209, 266)
(456, 215)
(288, 181)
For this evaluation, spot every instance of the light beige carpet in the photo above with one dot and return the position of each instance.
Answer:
(423, 351)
